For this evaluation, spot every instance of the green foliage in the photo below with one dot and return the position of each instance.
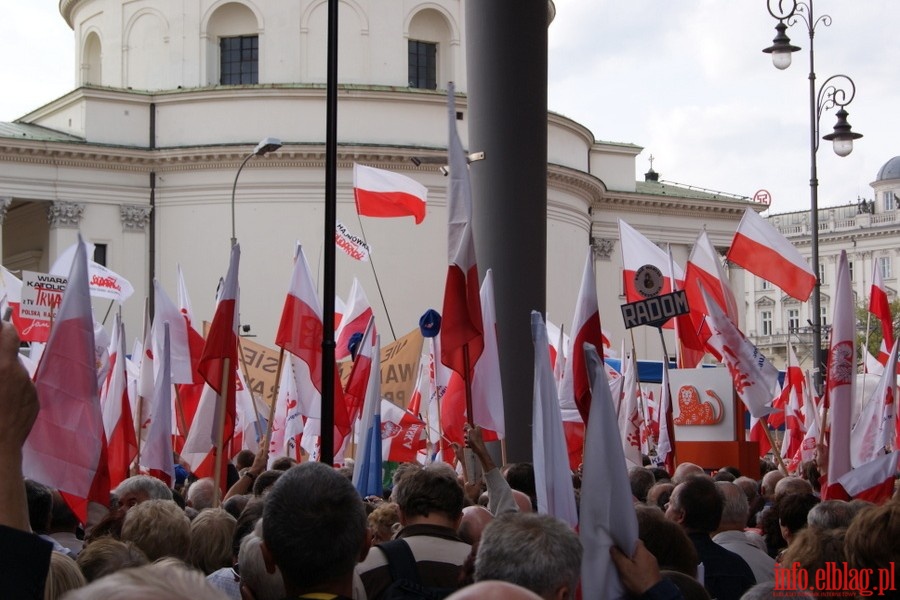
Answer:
(863, 317)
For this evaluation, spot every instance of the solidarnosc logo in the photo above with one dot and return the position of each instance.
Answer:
(837, 580)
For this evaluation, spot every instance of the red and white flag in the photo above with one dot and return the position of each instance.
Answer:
(840, 382)
(880, 306)
(301, 332)
(402, 434)
(381, 193)
(875, 429)
(793, 396)
(354, 319)
(758, 434)
(66, 448)
(462, 338)
(607, 511)
(221, 347)
(358, 382)
(638, 251)
(665, 446)
(552, 477)
(628, 416)
(755, 378)
(585, 329)
(487, 390)
(156, 455)
(762, 250)
(179, 348)
(118, 423)
(873, 481)
(812, 419)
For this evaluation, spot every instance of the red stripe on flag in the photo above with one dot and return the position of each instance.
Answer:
(759, 258)
(389, 204)
(300, 333)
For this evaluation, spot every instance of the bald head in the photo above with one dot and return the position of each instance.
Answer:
(493, 590)
(685, 470)
(523, 501)
(769, 481)
(474, 520)
(792, 485)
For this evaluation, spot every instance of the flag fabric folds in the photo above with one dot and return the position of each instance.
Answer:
(761, 249)
(881, 308)
(354, 319)
(874, 430)
(157, 453)
(381, 193)
(552, 477)
(638, 251)
(66, 448)
(873, 481)
(841, 375)
(118, 423)
(462, 338)
(367, 468)
(607, 512)
(487, 391)
(402, 434)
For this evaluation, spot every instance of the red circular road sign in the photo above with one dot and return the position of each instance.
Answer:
(763, 197)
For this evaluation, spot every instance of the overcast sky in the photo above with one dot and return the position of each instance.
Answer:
(684, 79)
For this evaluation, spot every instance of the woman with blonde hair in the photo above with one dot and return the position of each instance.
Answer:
(63, 576)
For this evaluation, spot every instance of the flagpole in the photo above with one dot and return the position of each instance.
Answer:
(377, 283)
(670, 413)
(220, 428)
(179, 412)
(138, 426)
(776, 448)
(271, 420)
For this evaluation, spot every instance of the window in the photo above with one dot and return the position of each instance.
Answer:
(764, 285)
(793, 319)
(823, 316)
(422, 65)
(239, 59)
(765, 322)
(850, 269)
(821, 273)
(888, 201)
(100, 254)
(884, 267)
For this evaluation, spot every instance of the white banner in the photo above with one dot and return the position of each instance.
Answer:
(354, 246)
(41, 295)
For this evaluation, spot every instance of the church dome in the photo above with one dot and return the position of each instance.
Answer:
(890, 170)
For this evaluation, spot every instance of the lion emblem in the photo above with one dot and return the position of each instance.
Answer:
(692, 410)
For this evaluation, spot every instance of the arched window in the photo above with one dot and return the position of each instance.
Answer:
(429, 58)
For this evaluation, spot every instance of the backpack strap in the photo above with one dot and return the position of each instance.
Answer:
(401, 561)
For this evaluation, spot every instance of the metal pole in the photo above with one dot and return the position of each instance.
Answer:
(814, 211)
(233, 189)
(326, 436)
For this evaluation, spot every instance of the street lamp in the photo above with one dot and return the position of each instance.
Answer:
(267, 145)
(837, 91)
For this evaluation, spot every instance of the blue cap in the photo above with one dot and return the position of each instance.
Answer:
(430, 323)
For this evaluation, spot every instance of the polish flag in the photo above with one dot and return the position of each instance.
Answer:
(795, 428)
(628, 417)
(638, 251)
(812, 419)
(758, 434)
(402, 434)
(221, 347)
(301, 332)
(841, 374)
(360, 372)
(665, 445)
(559, 344)
(762, 250)
(873, 481)
(704, 267)
(381, 193)
(179, 347)
(289, 419)
(607, 511)
(487, 390)
(755, 378)
(118, 423)
(880, 306)
(552, 477)
(354, 319)
(874, 430)
(586, 329)
(156, 455)
(66, 448)
(200, 444)
(462, 337)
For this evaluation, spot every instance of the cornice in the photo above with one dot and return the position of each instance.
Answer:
(671, 205)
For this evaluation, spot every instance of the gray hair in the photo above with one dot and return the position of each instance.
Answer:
(535, 551)
(830, 514)
(736, 508)
(165, 579)
(153, 487)
(264, 585)
(202, 493)
(311, 502)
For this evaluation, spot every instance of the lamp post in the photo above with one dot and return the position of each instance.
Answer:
(266, 146)
(836, 91)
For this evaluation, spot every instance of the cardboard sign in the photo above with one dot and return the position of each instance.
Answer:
(655, 310)
(42, 294)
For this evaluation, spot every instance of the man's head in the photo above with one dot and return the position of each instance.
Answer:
(696, 504)
(40, 505)
(202, 494)
(159, 528)
(536, 551)
(641, 481)
(830, 514)
(769, 481)
(314, 529)
(474, 520)
(431, 493)
(141, 488)
(791, 485)
(685, 470)
(211, 537)
(735, 510)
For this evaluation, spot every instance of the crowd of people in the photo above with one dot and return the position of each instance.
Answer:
(303, 531)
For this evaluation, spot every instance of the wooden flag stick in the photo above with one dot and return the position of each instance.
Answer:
(271, 420)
